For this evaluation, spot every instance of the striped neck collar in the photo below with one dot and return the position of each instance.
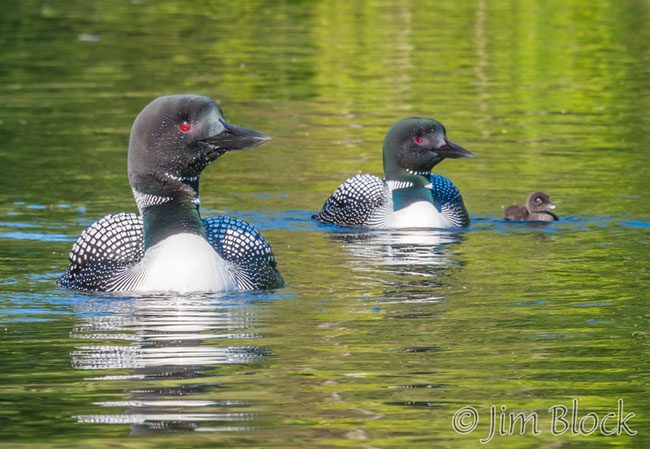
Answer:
(396, 184)
(426, 174)
(411, 179)
(186, 179)
(144, 200)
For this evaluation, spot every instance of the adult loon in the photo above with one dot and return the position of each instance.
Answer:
(536, 209)
(169, 247)
(409, 196)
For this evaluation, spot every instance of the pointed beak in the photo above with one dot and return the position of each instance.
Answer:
(235, 138)
(551, 206)
(451, 150)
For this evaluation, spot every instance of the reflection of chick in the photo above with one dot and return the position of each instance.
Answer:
(536, 209)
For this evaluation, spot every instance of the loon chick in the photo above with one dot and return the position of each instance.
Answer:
(169, 247)
(536, 209)
(409, 196)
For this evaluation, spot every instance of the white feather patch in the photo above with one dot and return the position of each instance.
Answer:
(183, 263)
(421, 214)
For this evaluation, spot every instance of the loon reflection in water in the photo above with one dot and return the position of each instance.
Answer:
(167, 339)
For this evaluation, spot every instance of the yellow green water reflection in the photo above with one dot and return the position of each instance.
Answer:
(378, 338)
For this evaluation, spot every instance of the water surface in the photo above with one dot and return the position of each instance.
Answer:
(379, 337)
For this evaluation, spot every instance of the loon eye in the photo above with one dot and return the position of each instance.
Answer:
(418, 140)
(185, 126)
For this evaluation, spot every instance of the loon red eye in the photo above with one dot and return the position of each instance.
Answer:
(185, 126)
(418, 140)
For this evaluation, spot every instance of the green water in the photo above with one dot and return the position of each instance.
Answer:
(378, 338)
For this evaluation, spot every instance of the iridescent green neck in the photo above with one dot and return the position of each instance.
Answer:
(170, 218)
(169, 205)
(408, 189)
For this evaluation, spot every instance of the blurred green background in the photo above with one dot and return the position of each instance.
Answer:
(378, 338)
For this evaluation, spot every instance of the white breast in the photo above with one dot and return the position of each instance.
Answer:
(184, 263)
(421, 214)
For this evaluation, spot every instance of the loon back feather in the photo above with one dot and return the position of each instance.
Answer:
(104, 256)
(367, 201)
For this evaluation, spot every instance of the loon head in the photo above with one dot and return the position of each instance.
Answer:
(413, 146)
(174, 138)
(539, 202)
